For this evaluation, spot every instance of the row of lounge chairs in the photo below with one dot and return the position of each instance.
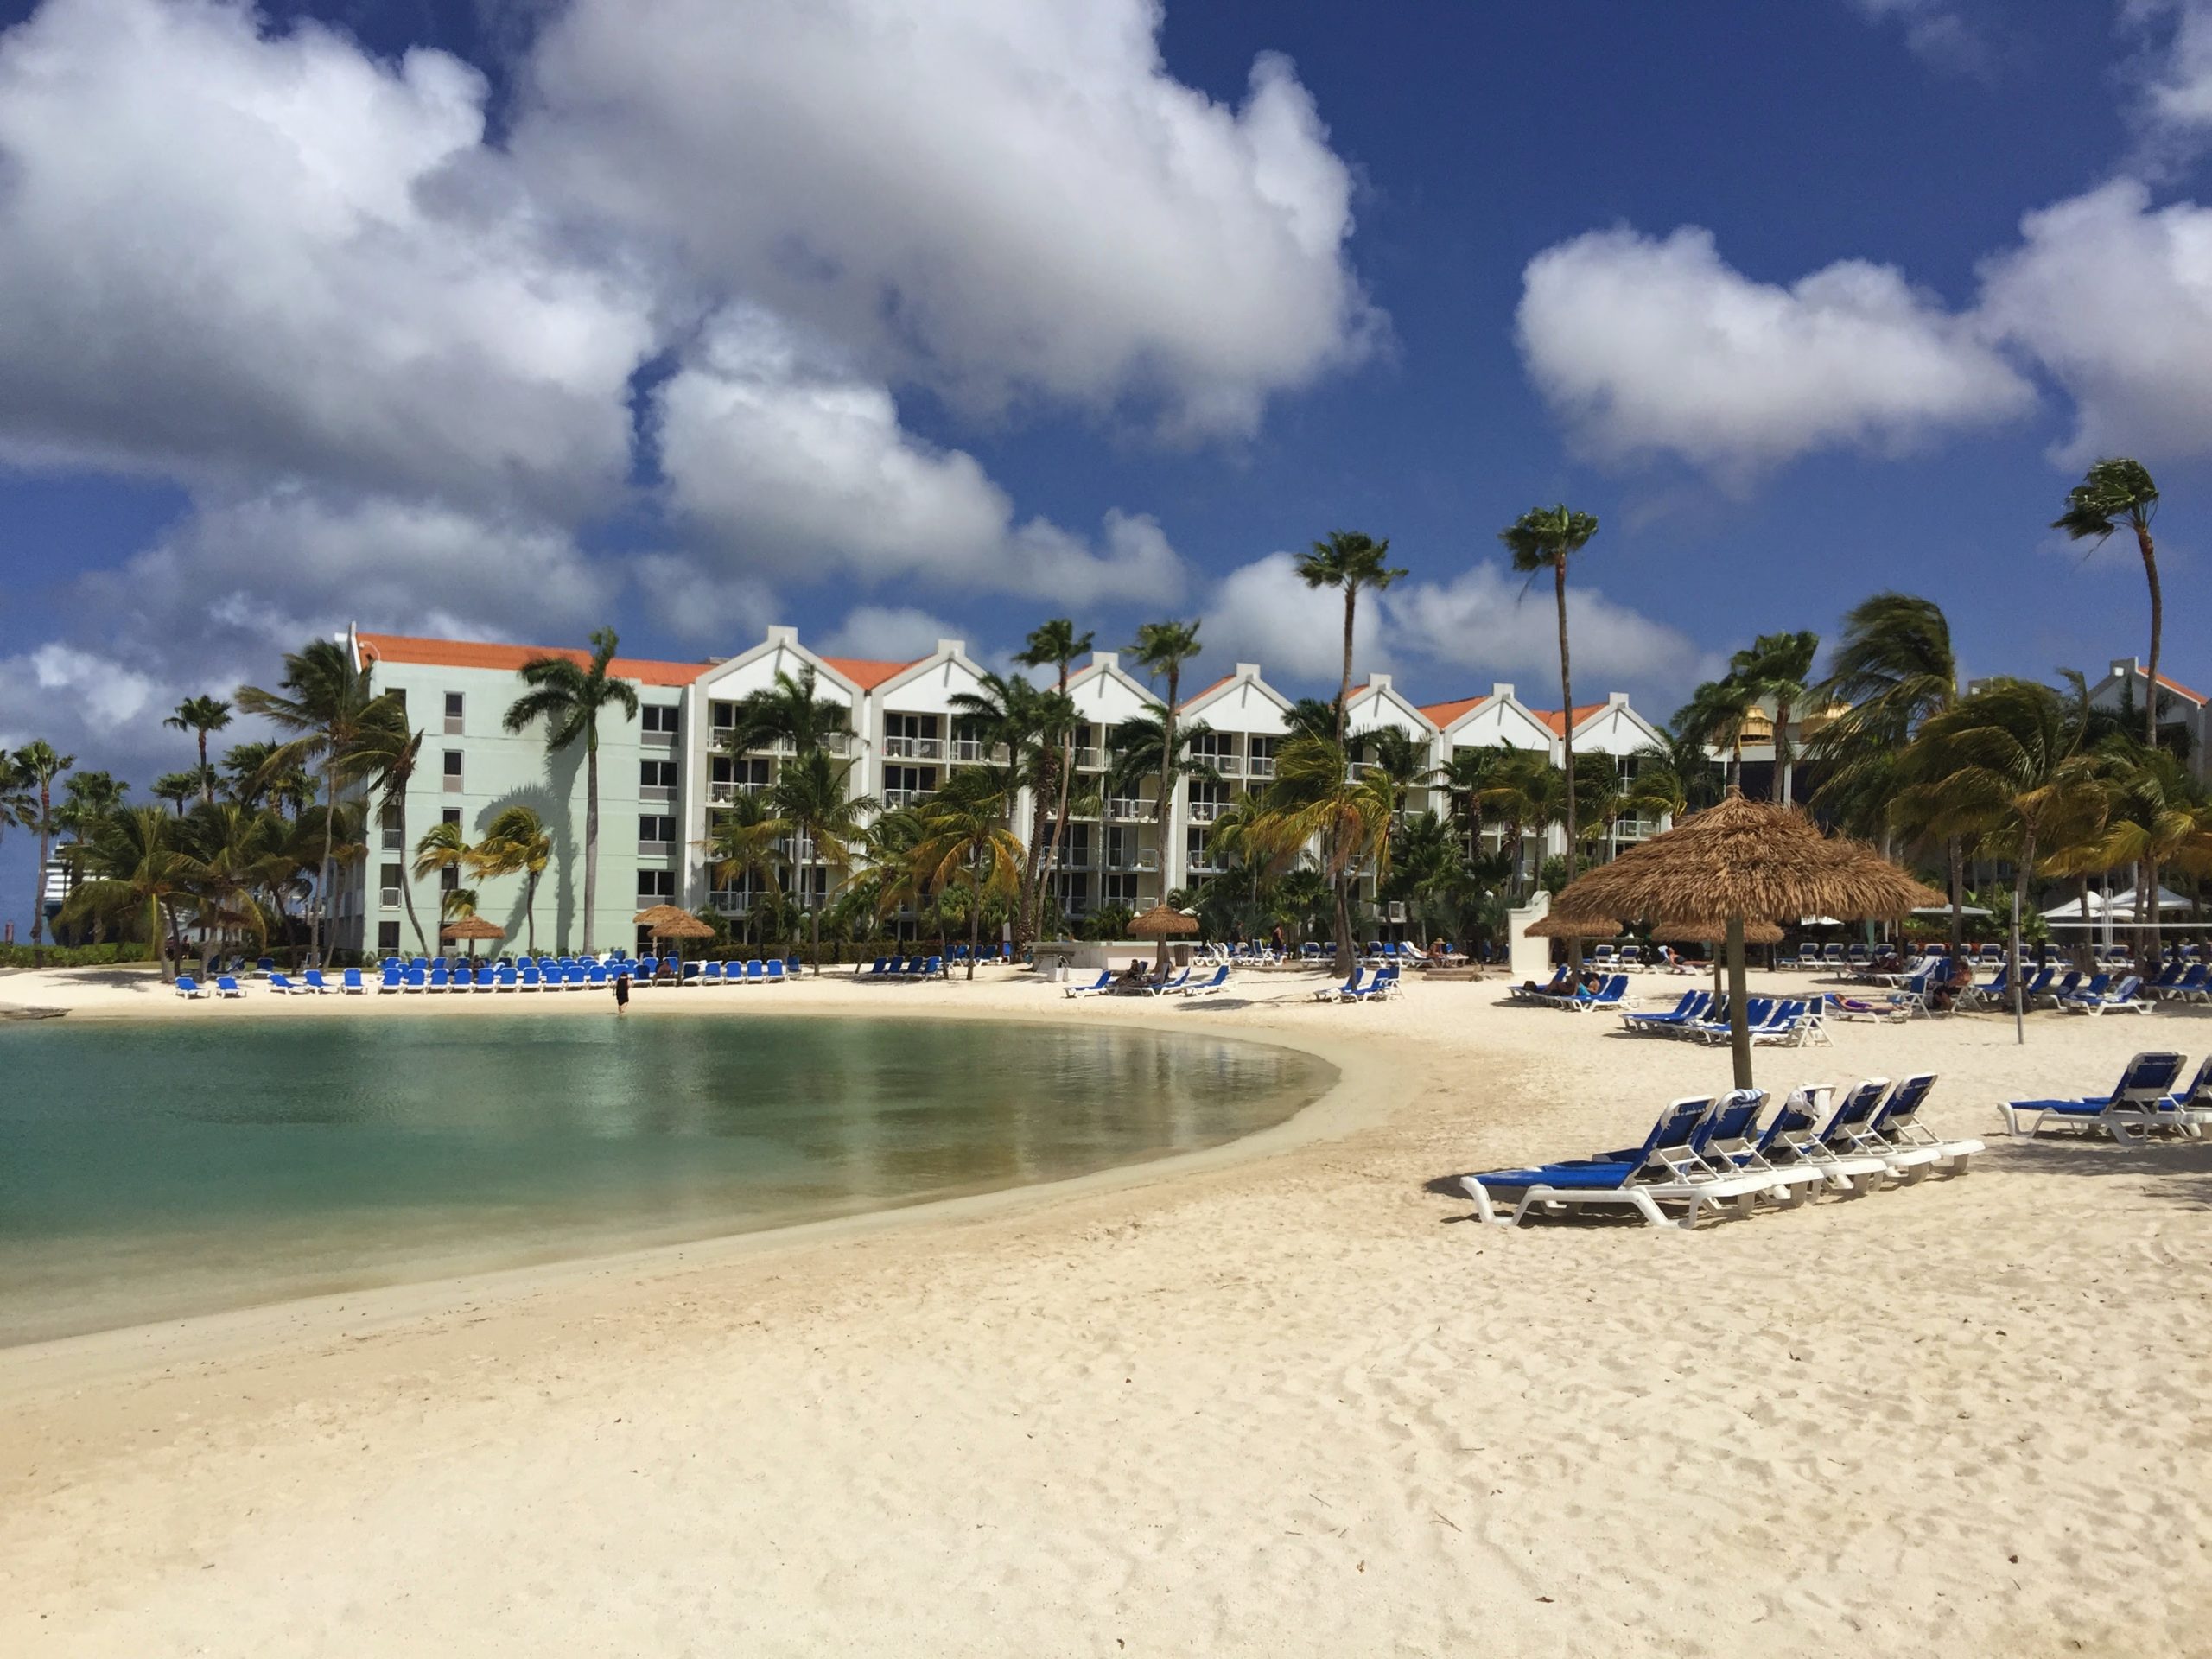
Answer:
(1701, 1016)
(1579, 999)
(902, 968)
(531, 976)
(1725, 1152)
(1109, 983)
(2144, 1102)
(1379, 988)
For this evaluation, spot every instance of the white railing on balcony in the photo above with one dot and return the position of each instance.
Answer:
(1227, 765)
(1143, 858)
(731, 901)
(834, 742)
(1205, 864)
(1206, 812)
(1125, 811)
(967, 752)
(1090, 760)
(725, 793)
(799, 850)
(914, 748)
(895, 798)
(1260, 766)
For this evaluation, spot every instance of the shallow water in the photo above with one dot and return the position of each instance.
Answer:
(157, 1170)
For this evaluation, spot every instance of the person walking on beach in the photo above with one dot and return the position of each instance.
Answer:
(621, 993)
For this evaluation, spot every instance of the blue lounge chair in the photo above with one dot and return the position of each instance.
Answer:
(189, 988)
(350, 983)
(1383, 986)
(1895, 1133)
(530, 978)
(1208, 988)
(1800, 1136)
(1691, 1005)
(389, 980)
(281, 985)
(1608, 996)
(1666, 1169)
(227, 985)
(774, 974)
(266, 965)
(2192, 1106)
(2125, 997)
(313, 981)
(1344, 993)
(2133, 1110)
(1097, 987)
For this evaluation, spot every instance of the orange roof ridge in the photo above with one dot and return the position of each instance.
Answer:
(1209, 690)
(869, 672)
(476, 654)
(1441, 715)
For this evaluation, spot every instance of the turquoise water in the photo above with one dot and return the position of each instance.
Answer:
(153, 1172)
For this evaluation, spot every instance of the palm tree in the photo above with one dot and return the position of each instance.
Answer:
(1314, 799)
(443, 848)
(1775, 666)
(568, 696)
(2154, 813)
(515, 843)
(787, 712)
(1398, 755)
(397, 776)
(2002, 767)
(201, 716)
(134, 867)
(35, 766)
(1057, 642)
(743, 846)
(342, 721)
(240, 855)
(1895, 670)
(250, 778)
(2119, 492)
(1545, 538)
(1036, 728)
(1350, 560)
(812, 793)
(1314, 718)
(1714, 718)
(1161, 649)
(1524, 791)
(963, 841)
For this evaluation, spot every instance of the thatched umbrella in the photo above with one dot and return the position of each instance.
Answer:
(1557, 927)
(667, 922)
(471, 928)
(1161, 922)
(1743, 861)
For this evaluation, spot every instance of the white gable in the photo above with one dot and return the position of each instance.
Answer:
(1615, 729)
(929, 685)
(756, 670)
(1379, 704)
(1499, 718)
(1105, 696)
(1243, 703)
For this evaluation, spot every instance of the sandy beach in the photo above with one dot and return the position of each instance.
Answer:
(1283, 1397)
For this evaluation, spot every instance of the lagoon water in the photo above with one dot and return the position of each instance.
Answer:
(152, 1172)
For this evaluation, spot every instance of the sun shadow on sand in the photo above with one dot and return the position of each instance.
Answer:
(2180, 1174)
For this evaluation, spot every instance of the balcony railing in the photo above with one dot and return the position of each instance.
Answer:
(452, 783)
(1260, 766)
(833, 742)
(725, 793)
(1127, 812)
(914, 748)
(1090, 760)
(1205, 864)
(1143, 858)
(967, 752)
(660, 739)
(1229, 766)
(733, 901)
(797, 850)
(895, 798)
(1206, 812)
(655, 849)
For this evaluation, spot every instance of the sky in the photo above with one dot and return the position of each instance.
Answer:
(511, 318)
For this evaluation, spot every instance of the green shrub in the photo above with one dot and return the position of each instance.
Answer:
(75, 956)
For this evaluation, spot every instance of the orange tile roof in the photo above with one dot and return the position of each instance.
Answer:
(1209, 691)
(471, 653)
(866, 672)
(2176, 685)
(1441, 715)
(1551, 716)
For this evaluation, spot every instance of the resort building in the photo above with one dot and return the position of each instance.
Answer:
(2185, 717)
(664, 777)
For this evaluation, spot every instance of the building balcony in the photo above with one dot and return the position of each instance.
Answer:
(1229, 766)
(1090, 760)
(1127, 812)
(1206, 812)
(732, 902)
(913, 748)
(655, 849)
(966, 751)
(1259, 766)
(658, 739)
(726, 793)
(1144, 860)
(895, 799)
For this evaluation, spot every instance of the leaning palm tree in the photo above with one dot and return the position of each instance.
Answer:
(1350, 560)
(1524, 791)
(964, 842)
(1775, 666)
(239, 849)
(1057, 642)
(443, 853)
(1315, 800)
(404, 754)
(569, 698)
(743, 847)
(813, 794)
(35, 766)
(1545, 538)
(2118, 492)
(2154, 814)
(342, 723)
(134, 867)
(201, 716)
(515, 843)
(1895, 670)
(788, 713)
(1714, 718)
(1161, 649)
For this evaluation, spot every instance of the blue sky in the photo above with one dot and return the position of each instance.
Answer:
(509, 318)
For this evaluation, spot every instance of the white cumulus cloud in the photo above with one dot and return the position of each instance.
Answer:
(1263, 613)
(887, 633)
(1005, 198)
(230, 253)
(1650, 346)
(796, 467)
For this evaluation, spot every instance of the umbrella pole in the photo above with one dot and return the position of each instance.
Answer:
(2019, 1022)
(1739, 1025)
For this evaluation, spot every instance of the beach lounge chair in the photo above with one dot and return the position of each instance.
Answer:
(1799, 1134)
(189, 988)
(1344, 993)
(313, 981)
(774, 974)
(1382, 986)
(1901, 1136)
(1097, 987)
(2125, 997)
(2192, 1106)
(1666, 1169)
(530, 978)
(1691, 1005)
(1632, 957)
(2130, 1112)
(1611, 995)
(281, 985)
(265, 965)
(2194, 986)
(1854, 1131)
(1731, 1140)
(1210, 987)
(227, 985)
(349, 983)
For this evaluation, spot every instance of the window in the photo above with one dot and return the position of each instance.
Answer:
(448, 879)
(451, 815)
(660, 720)
(389, 879)
(453, 712)
(655, 780)
(730, 776)
(1075, 848)
(654, 834)
(1124, 848)
(1261, 753)
(722, 716)
(656, 884)
(387, 936)
(453, 772)
(912, 737)
(394, 836)
(1117, 890)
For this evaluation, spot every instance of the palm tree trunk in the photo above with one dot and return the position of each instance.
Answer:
(316, 929)
(1344, 685)
(38, 878)
(1167, 815)
(529, 909)
(1956, 851)
(1567, 733)
(155, 941)
(2158, 626)
(591, 828)
(206, 778)
(1740, 1027)
(1783, 762)
(407, 881)
(975, 925)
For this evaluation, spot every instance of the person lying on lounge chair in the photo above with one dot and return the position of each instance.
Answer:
(1134, 977)
(1944, 993)
(1562, 985)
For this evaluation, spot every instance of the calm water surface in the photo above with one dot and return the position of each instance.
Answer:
(156, 1171)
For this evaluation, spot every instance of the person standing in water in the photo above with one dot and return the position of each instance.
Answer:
(621, 993)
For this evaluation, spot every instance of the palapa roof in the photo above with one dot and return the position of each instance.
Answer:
(1749, 858)
(1708, 931)
(472, 927)
(1558, 927)
(1161, 920)
(667, 922)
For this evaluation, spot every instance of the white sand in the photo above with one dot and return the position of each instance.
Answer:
(1284, 1400)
